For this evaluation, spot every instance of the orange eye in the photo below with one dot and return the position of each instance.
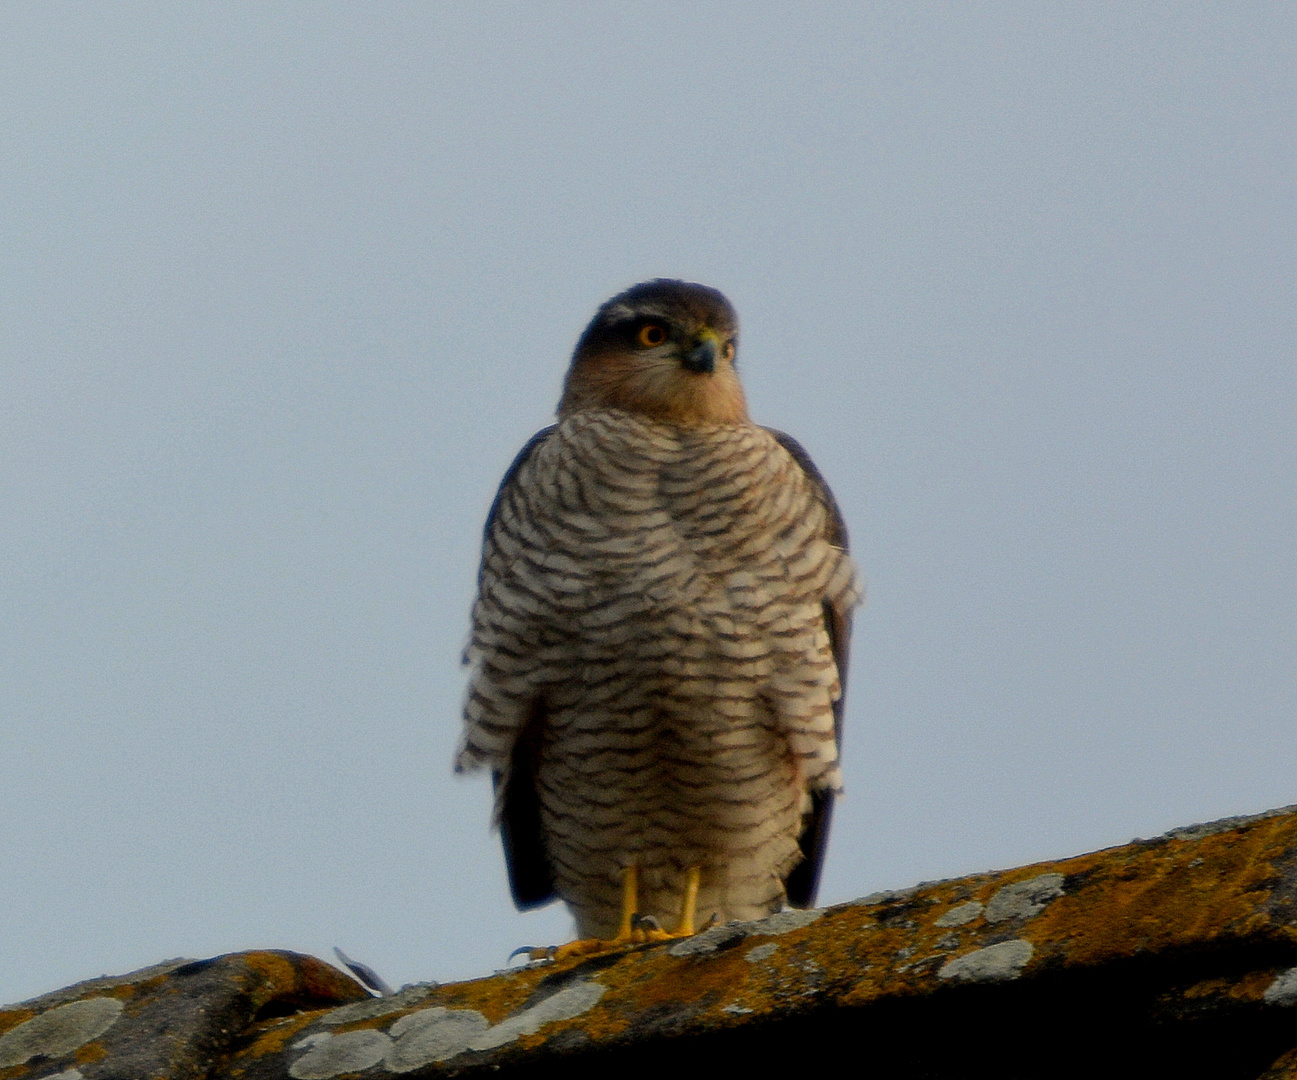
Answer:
(651, 335)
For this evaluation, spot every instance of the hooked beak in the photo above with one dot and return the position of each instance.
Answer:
(702, 357)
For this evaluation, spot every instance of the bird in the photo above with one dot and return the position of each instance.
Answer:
(659, 640)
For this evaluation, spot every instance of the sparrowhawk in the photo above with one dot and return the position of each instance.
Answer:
(660, 637)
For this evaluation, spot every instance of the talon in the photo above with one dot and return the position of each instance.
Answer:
(533, 952)
(648, 929)
(635, 928)
(583, 947)
(628, 933)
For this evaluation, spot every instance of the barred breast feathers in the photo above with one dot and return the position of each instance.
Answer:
(721, 532)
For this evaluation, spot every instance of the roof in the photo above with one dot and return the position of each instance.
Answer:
(1168, 957)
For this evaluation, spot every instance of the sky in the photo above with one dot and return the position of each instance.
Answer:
(284, 287)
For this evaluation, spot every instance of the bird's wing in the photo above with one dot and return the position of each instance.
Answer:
(531, 877)
(804, 881)
(510, 476)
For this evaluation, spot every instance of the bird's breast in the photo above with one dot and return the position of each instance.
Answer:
(684, 543)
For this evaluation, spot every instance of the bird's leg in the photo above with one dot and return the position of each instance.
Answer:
(685, 928)
(647, 928)
(628, 932)
(629, 902)
(634, 929)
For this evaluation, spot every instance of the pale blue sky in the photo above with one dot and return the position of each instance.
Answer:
(285, 286)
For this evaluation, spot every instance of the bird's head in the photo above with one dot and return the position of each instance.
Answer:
(664, 349)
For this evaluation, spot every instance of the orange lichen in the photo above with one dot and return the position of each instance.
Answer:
(1285, 1068)
(275, 1034)
(11, 1018)
(1250, 987)
(91, 1052)
(278, 971)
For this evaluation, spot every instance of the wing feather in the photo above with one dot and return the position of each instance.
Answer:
(531, 875)
(804, 881)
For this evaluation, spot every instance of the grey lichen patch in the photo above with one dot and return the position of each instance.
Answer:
(709, 940)
(433, 1035)
(1283, 991)
(762, 952)
(995, 963)
(335, 1054)
(404, 999)
(67, 1074)
(331, 1055)
(960, 914)
(889, 896)
(781, 922)
(568, 1003)
(1024, 899)
(59, 1031)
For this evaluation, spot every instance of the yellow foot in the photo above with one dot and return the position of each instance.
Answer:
(583, 947)
(635, 929)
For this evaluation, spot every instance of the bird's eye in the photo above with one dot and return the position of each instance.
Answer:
(651, 335)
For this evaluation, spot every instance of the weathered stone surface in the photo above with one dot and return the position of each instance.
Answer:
(1174, 957)
(170, 1020)
(1168, 957)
